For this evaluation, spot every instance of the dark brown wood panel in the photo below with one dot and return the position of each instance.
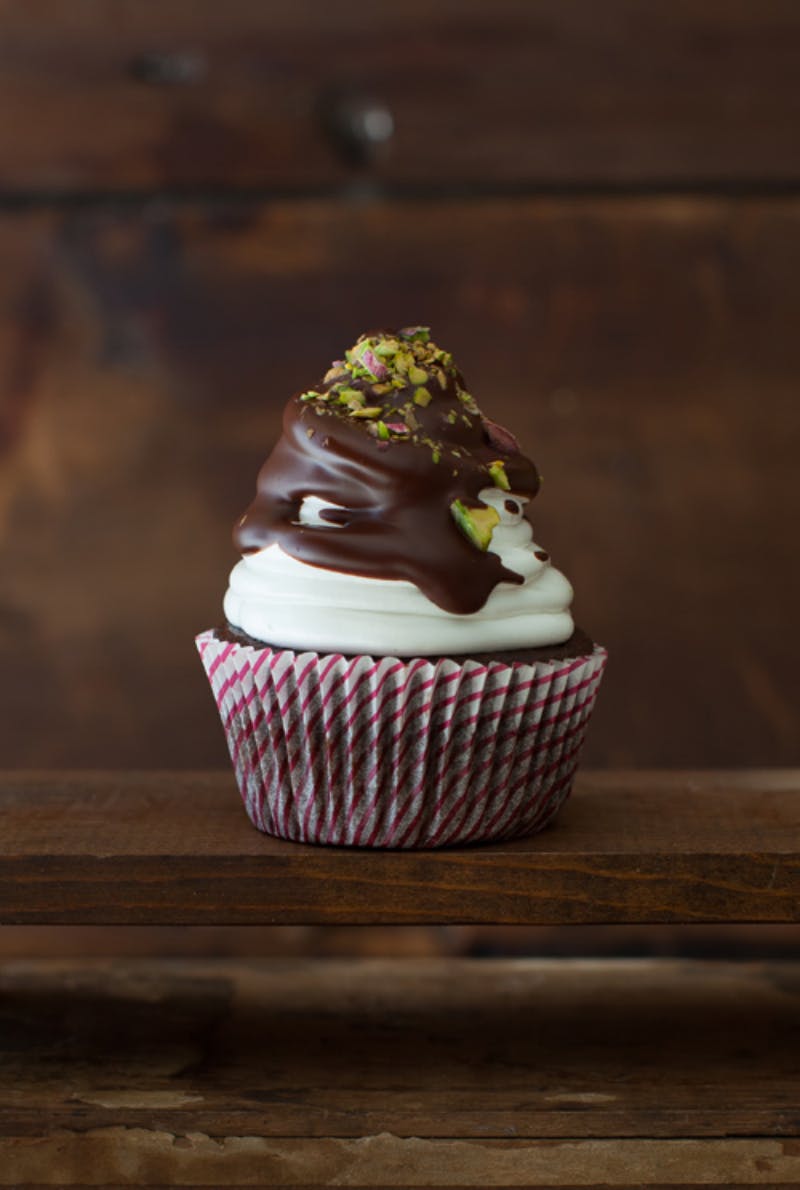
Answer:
(170, 848)
(522, 1073)
(765, 942)
(645, 351)
(116, 94)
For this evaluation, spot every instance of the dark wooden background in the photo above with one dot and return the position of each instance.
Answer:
(596, 207)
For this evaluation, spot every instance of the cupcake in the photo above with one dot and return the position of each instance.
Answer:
(399, 666)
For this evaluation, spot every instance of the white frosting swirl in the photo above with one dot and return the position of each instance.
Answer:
(273, 597)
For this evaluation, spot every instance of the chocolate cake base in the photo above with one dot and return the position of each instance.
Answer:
(578, 645)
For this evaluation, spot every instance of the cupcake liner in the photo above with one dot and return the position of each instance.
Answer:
(382, 752)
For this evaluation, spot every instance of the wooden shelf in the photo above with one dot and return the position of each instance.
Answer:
(176, 848)
(400, 1072)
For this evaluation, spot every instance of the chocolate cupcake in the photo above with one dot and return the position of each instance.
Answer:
(399, 666)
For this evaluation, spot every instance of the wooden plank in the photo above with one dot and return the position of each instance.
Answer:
(645, 352)
(525, 92)
(762, 942)
(175, 848)
(214, 1072)
(386, 1161)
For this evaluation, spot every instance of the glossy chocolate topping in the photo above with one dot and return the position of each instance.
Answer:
(393, 436)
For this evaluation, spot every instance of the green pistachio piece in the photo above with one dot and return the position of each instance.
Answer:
(398, 383)
(368, 411)
(498, 473)
(417, 375)
(468, 401)
(452, 417)
(422, 397)
(310, 396)
(335, 373)
(381, 389)
(346, 395)
(410, 418)
(477, 524)
(386, 348)
(419, 333)
(403, 361)
(383, 431)
(441, 377)
(436, 456)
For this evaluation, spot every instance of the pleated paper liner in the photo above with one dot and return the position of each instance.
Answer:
(381, 752)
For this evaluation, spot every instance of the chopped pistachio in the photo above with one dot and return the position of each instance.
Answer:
(436, 456)
(349, 394)
(497, 473)
(376, 367)
(386, 348)
(422, 397)
(452, 417)
(310, 396)
(417, 375)
(441, 377)
(416, 333)
(477, 524)
(368, 411)
(397, 382)
(383, 430)
(381, 389)
(410, 417)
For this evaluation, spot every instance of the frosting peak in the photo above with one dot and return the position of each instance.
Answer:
(380, 473)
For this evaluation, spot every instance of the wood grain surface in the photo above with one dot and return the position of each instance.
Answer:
(400, 1072)
(119, 95)
(645, 351)
(174, 848)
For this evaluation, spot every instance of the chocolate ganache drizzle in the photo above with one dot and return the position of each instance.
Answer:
(393, 438)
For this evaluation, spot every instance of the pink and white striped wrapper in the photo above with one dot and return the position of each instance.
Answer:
(381, 752)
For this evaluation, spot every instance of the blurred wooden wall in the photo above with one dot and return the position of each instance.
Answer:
(595, 206)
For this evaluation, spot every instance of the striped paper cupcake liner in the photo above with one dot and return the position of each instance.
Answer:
(381, 752)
